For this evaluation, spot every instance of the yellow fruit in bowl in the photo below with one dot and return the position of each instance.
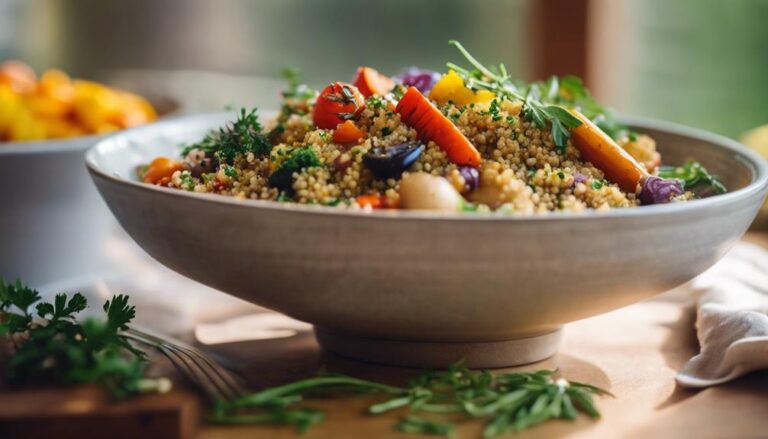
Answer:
(56, 106)
(757, 139)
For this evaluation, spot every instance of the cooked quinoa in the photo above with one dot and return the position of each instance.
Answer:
(501, 159)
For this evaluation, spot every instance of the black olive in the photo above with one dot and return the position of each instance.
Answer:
(391, 161)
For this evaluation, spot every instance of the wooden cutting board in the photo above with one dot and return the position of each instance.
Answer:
(87, 412)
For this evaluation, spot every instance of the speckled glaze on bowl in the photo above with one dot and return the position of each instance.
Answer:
(423, 288)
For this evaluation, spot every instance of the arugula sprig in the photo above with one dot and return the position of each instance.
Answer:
(510, 401)
(535, 110)
(49, 345)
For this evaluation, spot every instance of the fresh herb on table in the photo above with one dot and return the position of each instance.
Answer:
(695, 178)
(537, 111)
(234, 139)
(419, 425)
(49, 345)
(509, 401)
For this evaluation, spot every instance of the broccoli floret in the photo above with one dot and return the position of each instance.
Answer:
(296, 160)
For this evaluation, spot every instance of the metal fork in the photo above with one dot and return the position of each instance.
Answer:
(216, 382)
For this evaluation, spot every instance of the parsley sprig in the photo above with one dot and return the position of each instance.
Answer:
(509, 401)
(535, 109)
(237, 138)
(49, 345)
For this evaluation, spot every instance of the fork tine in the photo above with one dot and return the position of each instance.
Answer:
(225, 375)
(193, 373)
(213, 374)
(197, 366)
(189, 369)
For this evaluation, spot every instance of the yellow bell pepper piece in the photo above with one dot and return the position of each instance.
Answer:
(451, 88)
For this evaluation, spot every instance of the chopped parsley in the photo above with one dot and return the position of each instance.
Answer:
(494, 110)
(187, 182)
(375, 102)
(386, 131)
(598, 184)
(230, 171)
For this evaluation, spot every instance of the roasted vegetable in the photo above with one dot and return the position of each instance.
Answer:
(471, 178)
(422, 191)
(347, 132)
(657, 190)
(376, 201)
(597, 147)
(422, 79)
(391, 161)
(337, 103)
(417, 112)
(160, 170)
(370, 82)
(451, 88)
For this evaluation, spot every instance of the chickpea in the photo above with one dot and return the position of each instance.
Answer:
(422, 191)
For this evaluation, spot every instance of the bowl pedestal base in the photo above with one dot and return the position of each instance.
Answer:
(495, 354)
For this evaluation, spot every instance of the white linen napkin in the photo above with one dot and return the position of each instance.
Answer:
(732, 319)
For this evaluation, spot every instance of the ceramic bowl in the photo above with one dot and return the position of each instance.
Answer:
(422, 288)
(53, 223)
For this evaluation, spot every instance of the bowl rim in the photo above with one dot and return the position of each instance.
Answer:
(48, 146)
(751, 159)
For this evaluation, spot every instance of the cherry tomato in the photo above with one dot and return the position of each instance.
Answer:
(337, 103)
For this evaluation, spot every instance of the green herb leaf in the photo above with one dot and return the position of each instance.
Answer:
(695, 178)
(419, 425)
(512, 401)
(537, 109)
(236, 139)
(56, 348)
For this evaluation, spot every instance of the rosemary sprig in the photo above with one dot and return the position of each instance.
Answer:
(419, 425)
(535, 110)
(510, 402)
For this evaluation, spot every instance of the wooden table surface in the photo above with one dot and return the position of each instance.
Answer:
(633, 352)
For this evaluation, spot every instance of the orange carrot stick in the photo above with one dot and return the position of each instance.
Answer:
(602, 151)
(418, 113)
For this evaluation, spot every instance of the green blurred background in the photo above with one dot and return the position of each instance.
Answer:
(699, 62)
